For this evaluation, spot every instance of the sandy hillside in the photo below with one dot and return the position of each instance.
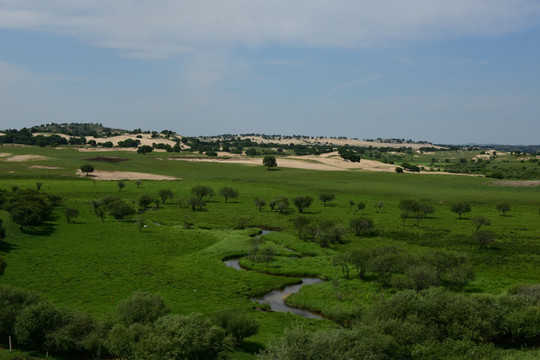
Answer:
(124, 175)
(518, 183)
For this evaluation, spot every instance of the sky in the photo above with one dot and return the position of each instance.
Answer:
(449, 72)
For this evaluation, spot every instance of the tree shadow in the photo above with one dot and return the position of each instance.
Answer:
(251, 347)
(45, 230)
(6, 247)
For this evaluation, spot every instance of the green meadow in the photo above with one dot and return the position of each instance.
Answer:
(90, 264)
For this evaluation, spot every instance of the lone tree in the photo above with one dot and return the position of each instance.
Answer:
(138, 183)
(326, 197)
(165, 194)
(460, 208)
(121, 184)
(140, 222)
(360, 206)
(269, 162)
(503, 208)
(228, 192)
(302, 202)
(87, 168)
(39, 184)
(485, 238)
(478, 221)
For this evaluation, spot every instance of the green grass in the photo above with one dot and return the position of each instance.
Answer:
(91, 265)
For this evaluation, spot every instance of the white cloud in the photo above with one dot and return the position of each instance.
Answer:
(162, 28)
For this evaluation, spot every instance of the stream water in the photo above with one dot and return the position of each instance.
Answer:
(276, 298)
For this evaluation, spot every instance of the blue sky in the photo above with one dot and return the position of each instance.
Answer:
(456, 71)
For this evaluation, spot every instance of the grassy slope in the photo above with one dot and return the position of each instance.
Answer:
(91, 265)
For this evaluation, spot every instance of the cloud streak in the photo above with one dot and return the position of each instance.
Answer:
(164, 28)
(354, 83)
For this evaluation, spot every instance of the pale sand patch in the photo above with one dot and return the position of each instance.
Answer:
(45, 167)
(100, 149)
(124, 175)
(5, 154)
(519, 183)
(22, 158)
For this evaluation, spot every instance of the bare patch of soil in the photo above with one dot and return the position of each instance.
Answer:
(124, 175)
(45, 167)
(518, 183)
(22, 158)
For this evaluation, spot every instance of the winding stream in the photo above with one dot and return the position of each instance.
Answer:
(276, 298)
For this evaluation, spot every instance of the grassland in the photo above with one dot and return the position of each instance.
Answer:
(91, 265)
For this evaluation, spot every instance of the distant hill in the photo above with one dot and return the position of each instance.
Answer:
(78, 129)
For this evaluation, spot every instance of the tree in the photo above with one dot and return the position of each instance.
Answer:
(202, 191)
(259, 203)
(145, 200)
(121, 184)
(26, 216)
(503, 208)
(269, 162)
(140, 222)
(302, 202)
(360, 206)
(87, 168)
(144, 149)
(165, 194)
(281, 203)
(378, 206)
(326, 197)
(141, 307)
(460, 208)
(138, 183)
(194, 201)
(119, 209)
(342, 260)
(228, 192)
(236, 324)
(485, 238)
(478, 221)
(70, 213)
(39, 184)
(301, 223)
(361, 226)
(399, 170)
(425, 208)
(359, 258)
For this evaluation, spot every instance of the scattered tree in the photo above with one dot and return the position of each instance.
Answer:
(503, 208)
(399, 170)
(302, 202)
(260, 203)
(478, 221)
(119, 209)
(141, 307)
(2, 230)
(359, 206)
(87, 168)
(202, 191)
(140, 222)
(70, 213)
(361, 226)
(342, 260)
(165, 194)
(460, 208)
(236, 324)
(378, 206)
(195, 201)
(121, 184)
(228, 192)
(301, 223)
(144, 149)
(3, 266)
(485, 238)
(326, 197)
(39, 184)
(138, 183)
(145, 200)
(269, 162)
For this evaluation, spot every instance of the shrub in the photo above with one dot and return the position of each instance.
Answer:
(236, 324)
(141, 307)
